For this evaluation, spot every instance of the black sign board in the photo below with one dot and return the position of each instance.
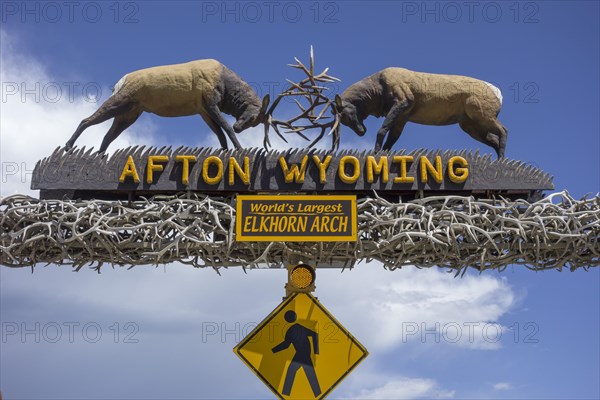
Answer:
(296, 218)
(148, 171)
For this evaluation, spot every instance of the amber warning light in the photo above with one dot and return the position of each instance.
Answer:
(301, 279)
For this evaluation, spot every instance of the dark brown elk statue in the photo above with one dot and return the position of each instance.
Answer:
(204, 87)
(403, 96)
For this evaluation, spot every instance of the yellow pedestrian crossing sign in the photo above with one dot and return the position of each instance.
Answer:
(300, 351)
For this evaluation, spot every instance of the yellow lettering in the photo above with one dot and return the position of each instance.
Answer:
(459, 174)
(436, 172)
(293, 174)
(263, 224)
(185, 173)
(332, 226)
(379, 168)
(235, 167)
(154, 167)
(247, 224)
(212, 160)
(322, 167)
(302, 221)
(273, 224)
(129, 170)
(342, 169)
(315, 225)
(402, 160)
(343, 224)
(291, 222)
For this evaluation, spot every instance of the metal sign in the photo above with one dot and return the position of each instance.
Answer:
(300, 351)
(146, 171)
(296, 218)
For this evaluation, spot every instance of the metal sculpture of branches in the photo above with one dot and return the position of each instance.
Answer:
(313, 112)
(447, 231)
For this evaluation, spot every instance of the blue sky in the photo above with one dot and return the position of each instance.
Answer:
(543, 55)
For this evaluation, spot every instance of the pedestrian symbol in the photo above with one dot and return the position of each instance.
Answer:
(297, 335)
(300, 351)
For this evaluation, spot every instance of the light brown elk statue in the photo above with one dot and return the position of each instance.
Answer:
(204, 87)
(405, 96)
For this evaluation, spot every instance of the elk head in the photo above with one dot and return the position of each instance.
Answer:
(252, 116)
(348, 115)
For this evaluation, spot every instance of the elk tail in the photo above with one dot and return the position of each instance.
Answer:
(119, 85)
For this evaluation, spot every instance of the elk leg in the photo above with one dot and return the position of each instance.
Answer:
(481, 134)
(484, 121)
(394, 135)
(217, 130)
(215, 114)
(120, 123)
(502, 133)
(110, 108)
(391, 120)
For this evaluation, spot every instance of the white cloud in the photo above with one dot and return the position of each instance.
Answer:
(421, 306)
(377, 306)
(381, 386)
(381, 309)
(502, 386)
(174, 306)
(407, 388)
(40, 112)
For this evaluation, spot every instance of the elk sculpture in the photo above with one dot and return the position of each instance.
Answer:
(204, 87)
(405, 96)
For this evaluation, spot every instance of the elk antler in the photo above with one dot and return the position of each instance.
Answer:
(311, 90)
